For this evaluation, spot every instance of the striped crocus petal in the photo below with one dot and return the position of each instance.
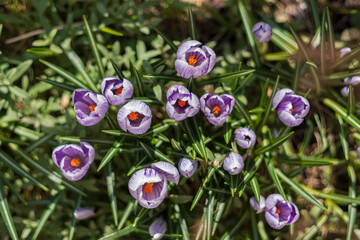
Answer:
(74, 160)
(245, 137)
(259, 207)
(233, 163)
(115, 90)
(168, 170)
(217, 107)
(262, 32)
(157, 228)
(187, 167)
(84, 213)
(90, 108)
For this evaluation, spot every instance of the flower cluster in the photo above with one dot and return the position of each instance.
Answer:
(278, 212)
(291, 108)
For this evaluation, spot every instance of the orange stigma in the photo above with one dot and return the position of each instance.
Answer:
(133, 116)
(181, 103)
(148, 188)
(118, 91)
(92, 108)
(292, 110)
(192, 60)
(215, 110)
(277, 211)
(75, 162)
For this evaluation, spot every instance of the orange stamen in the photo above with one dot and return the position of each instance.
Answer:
(75, 162)
(148, 188)
(291, 110)
(118, 91)
(192, 60)
(216, 110)
(92, 108)
(181, 103)
(277, 211)
(133, 116)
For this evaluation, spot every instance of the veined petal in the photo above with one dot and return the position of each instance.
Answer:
(259, 207)
(157, 228)
(245, 137)
(186, 46)
(280, 95)
(140, 177)
(168, 170)
(187, 167)
(233, 163)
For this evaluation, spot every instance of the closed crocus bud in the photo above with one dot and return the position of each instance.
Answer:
(358, 152)
(217, 107)
(84, 213)
(345, 91)
(344, 51)
(193, 58)
(168, 170)
(262, 32)
(187, 167)
(157, 229)
(245, 137)
(181, 103)
(115, 90)
(135, 117)
(259, 207)
(291, 108)
(279, 213)
(148, 187)
(90, 108)
(233, 163)
(74, 160)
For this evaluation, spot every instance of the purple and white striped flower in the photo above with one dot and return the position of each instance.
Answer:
(187, 167)
(233, 163)
(352, 81)
(291, 108)
(115, 90)
(74, 160)
(193, 58)
(259, 207)
(84, 213)
(181, 103)
(149, 186)
(135, 117)
(217, 107)
(262, 32)
(245, 137)
(158, 228)
(344, 51)
(279, 213)
(90, 108)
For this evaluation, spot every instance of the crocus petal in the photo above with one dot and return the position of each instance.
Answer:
(258, 207)
(274, 221)
(224, 104)
(186, 46)
(280, 95)
(140, 177)
(288, 119)
(153, 200)
(187, 167)
(168, 170)
(233, 163)
(210, 54)
(344, 51)
(84, 213)
(185, 70)
(157, 229)
(245, 137)
(294, 213)
(272, 200)
(345, 91)
(262, 32)
(110, 84)
(358, 152)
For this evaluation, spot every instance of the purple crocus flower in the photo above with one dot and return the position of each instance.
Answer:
(358, 151)
(262, 32)
(74, 160)
(89, 107)
(157, 229)
(181, 103)
(344, 51)
(233, 163)
(187, 167)
(259, 207)
(291, 108)
(116, 91)
(245, 137)
(217, 107)
(352, 81)
(135, 117)
(84, 213)
(193, 58)
(149, 186)
(278, 212)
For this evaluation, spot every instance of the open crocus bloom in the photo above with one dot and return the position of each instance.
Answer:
(262, 32)
(135, 117)
(278, 212)
(149, 185)
(157, 229)
(291, 108)
(115, 90)
(181, 103)
(74, 160)
(245, 137)
(259, 207)
(233, 163)
(90, 108)
(217, 107)
(193, 58)
(187, 167)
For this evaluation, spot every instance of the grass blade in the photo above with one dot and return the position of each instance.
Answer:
(255, 187)
(182, 223)
(343, 139)
(126, 213)
(315, 13)
(330, 34)
(110, 154)
(40, 142)
(192, 26)
(117, 70)
(274, 144)
(352, 208)
(58, 84)
(166, 39)
(73, 220)
(241, 109)
(351, 101)
(138, 80)
(225, 77)
(110, 183)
